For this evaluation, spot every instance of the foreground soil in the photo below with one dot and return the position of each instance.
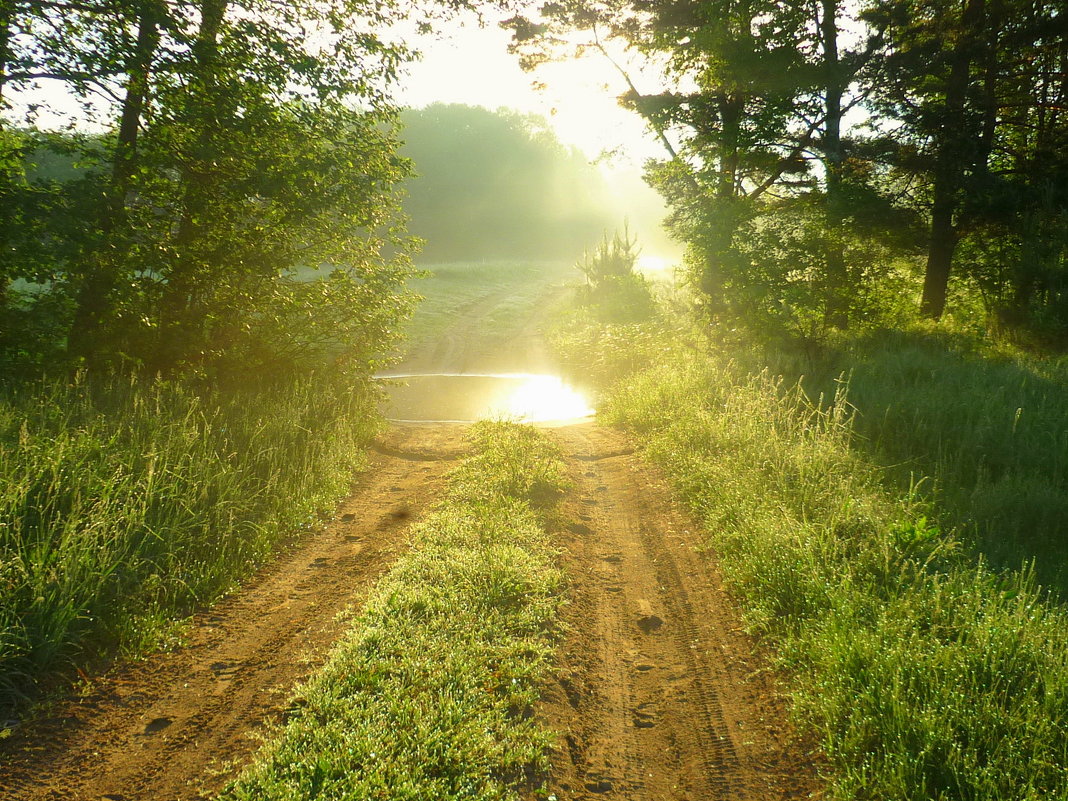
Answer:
(179, 725)
(660, 694)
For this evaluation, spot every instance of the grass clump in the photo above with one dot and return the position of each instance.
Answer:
(429, 695)
(926, 674)
(123, 506)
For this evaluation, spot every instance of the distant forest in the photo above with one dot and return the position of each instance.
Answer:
(497, 184)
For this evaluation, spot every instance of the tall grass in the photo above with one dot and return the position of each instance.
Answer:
(980, 430)
(122, 506)
(926, 674)
(989, 428)
(430, 694)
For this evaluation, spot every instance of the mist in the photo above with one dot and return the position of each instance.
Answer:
(500, 185)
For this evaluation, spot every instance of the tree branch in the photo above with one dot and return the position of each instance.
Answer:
(657, 128)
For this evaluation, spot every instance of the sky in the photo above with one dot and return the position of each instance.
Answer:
(471, 65)
(578, 97)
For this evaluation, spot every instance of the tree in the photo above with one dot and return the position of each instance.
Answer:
(750, 114)
(251, 138)
(978, 89)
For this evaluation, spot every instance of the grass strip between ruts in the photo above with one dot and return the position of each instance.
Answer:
(429, 694)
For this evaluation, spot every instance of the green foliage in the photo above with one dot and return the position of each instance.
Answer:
(237, 150)
(430, 693)
(801, 218)
(779, 288)
(614, 291)
(924, 674)
(986, 426)
(497, 184)
(125, 505)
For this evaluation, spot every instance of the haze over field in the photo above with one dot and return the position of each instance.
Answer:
(500, 185)
(279, 303)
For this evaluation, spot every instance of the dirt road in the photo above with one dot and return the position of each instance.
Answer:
(178, 725)
(659, 695)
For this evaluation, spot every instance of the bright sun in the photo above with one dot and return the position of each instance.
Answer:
(653, 264)
(577, 96)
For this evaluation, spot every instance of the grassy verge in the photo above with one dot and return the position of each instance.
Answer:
(925, 674)
(124, 507)
(988, 426)
(429, 695)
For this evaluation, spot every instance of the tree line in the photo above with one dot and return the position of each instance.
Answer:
(242, 140)
(498, 184)
(826, 160)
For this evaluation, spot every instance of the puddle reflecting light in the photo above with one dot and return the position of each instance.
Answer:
(466, 397)
(540, 398)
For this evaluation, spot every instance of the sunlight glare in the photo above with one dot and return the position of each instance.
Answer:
(652, 264)
(467, 397)
(541, 398)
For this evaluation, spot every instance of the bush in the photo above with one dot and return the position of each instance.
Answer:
(613, 290)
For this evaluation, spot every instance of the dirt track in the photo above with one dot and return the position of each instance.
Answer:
(177, 725)
(658, 695)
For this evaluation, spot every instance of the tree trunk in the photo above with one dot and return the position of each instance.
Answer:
(950, 162)
(838, 289)
(95, 301)
(180, 320)
(7, 20)
(731, 108)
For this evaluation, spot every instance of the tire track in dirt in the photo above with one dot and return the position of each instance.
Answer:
(179, 725)
(660, 693)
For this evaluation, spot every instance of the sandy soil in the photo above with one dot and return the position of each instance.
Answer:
(659, 693)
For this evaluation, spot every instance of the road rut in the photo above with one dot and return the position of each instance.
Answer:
(660, 693)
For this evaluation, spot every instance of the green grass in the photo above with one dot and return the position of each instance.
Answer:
(924, 673)
(989, 427)
(430, 693)
(448, 289)
(125, 506)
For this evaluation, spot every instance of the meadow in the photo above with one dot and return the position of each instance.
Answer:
(126, 505)
(979, 428)
(512, 290)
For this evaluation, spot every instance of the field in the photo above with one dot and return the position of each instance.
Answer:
(484, 316)
(757, 576)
